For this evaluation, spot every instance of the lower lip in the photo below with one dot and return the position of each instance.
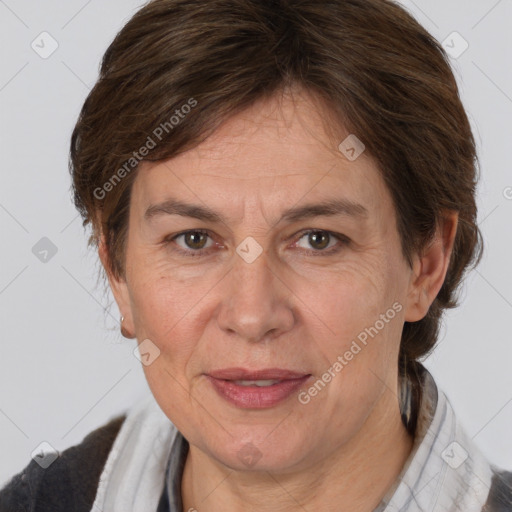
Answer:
(254, 397)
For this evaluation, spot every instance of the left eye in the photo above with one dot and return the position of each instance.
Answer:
(320, 241)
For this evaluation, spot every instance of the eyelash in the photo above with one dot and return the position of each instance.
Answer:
(201, 252)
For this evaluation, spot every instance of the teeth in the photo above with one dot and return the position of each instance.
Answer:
(260, 383)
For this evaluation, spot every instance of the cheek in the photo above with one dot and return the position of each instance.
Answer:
(353, 295)
(358, 311)
(165, 311)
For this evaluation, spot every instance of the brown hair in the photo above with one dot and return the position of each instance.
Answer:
(384, 77)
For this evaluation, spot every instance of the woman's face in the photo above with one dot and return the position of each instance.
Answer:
(322, 293)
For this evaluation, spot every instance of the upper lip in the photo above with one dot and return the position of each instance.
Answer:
(263, 374)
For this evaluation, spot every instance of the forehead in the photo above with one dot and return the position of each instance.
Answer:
(277, 150)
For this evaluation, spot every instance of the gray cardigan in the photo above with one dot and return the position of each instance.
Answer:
(69, 484)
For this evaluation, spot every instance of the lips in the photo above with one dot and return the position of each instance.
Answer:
(239, 386)
(262, 374)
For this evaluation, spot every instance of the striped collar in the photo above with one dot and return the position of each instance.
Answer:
(445, 470)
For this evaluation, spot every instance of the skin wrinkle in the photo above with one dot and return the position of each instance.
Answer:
(345, 448)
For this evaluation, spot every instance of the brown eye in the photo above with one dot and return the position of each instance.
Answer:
(195, 239)
(319, 239)
(190, 243)
(322, 242)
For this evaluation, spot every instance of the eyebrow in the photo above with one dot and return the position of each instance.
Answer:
(327, 208)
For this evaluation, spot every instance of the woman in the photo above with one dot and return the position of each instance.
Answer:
(282, 195)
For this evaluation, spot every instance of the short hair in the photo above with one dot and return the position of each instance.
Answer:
(380, 74)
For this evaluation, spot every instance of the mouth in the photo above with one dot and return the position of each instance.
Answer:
(256, 389)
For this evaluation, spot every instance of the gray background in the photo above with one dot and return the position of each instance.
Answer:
(64, 368)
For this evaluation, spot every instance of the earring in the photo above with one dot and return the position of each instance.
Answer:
(124, 331)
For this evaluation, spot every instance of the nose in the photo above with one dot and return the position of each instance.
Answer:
(257, 305)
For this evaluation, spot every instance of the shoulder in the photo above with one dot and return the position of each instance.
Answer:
(67, 484)
(500, 494)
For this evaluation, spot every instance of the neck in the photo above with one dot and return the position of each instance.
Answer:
(354, 477)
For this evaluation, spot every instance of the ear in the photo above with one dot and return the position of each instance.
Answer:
(119, 288)
(429, 269)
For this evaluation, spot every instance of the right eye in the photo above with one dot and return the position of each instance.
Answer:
(193, 240)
